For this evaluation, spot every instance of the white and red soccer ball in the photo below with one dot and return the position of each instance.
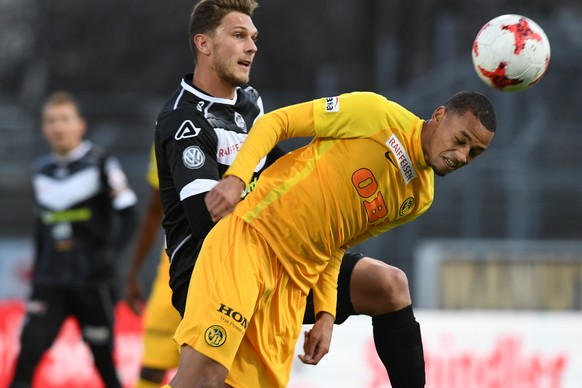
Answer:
(511, 53)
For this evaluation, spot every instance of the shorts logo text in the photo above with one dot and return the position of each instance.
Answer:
(235, 315)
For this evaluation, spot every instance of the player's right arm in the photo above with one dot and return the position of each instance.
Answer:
(188, 160)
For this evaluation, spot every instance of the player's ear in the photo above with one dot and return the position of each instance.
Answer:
(202, 43)
(438, 115)
(83, 128)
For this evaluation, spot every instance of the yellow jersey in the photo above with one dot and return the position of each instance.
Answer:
(363, 174)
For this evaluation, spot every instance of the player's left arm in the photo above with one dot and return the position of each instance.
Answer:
(308, 119)
(123, 201)
(268, 130)
(354, 115)
(318, 339)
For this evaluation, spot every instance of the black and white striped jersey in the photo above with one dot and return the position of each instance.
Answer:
(197, 138)
(77, 197)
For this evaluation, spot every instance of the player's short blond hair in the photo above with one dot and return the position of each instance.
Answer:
(207, 15)
(61, 97)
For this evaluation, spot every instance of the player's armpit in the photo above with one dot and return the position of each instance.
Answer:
(270, 129)
(325, 290)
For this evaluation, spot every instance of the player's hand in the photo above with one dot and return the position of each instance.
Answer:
(318, 339)
(134, 296)
(223, 198)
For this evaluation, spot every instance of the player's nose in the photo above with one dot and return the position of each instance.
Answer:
(463, 156)
(252, 46)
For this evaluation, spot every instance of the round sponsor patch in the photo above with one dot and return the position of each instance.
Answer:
(215, 336)
(193, 157)
(240, 121)
(406, 206)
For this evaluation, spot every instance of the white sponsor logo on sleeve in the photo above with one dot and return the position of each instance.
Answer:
(332, 104)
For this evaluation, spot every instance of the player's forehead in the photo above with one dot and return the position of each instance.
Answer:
(62, 107)
(237, 21)
(470, 129)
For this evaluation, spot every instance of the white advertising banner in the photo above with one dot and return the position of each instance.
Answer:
(479, 349)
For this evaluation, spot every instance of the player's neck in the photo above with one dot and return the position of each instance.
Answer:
(212, 84)
(427, 128)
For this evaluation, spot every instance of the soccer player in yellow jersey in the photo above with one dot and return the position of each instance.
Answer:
(368, 169)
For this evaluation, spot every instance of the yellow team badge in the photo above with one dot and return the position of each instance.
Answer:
(215, 336)
(406, 206)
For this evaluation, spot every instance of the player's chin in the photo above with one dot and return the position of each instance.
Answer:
(442, 170)
(242, 76)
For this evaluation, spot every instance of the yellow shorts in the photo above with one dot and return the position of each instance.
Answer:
(243, 310)
(160, 322)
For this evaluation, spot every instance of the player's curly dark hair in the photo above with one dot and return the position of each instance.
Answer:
(207, 15)
(476, 103)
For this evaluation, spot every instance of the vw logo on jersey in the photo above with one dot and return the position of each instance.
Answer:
(186, 130)
(193, 157)
(240, 122)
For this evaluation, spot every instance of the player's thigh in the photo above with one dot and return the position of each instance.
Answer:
(223, 291)
(266, 353)
(94, 308)
(46, 311)
(344, 307)
(160, 323)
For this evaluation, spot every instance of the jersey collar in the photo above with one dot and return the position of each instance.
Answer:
(418, 139)
(186, 85)
(75, 154)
